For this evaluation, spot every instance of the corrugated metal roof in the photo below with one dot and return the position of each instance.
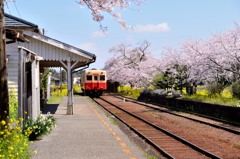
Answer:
(48, 48)
(60, 45)
(14, 22)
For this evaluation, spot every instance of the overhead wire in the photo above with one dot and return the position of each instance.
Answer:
(6, 4)
(14, 1)
(15, 5)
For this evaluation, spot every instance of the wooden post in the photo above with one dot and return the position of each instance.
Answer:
(37, 73)
(20, 85)
(34, 90)
(61, 80)
(49, 86)
(69, 80)
(4, 98)
(69, 67)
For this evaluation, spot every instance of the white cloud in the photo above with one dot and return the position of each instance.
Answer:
(98, 34)
(163, 27)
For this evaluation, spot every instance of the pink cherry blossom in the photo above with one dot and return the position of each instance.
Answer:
(98, 7)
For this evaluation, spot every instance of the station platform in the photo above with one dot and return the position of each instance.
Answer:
(88, 134)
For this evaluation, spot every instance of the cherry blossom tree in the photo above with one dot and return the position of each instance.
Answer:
(225, 50)
(132, 65)
(216, 57)
(215, 60)
(97, 7)
(112, 7)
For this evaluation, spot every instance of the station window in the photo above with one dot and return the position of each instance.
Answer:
(102, 77)
(89, 77)
(95, 78)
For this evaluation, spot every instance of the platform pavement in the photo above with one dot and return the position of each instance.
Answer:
(88, 134)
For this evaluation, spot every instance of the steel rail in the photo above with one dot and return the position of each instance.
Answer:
(189, 118)
(193, 146)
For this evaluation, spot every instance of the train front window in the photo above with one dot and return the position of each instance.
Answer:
(102, 77)
(89, 77)
(95, 78)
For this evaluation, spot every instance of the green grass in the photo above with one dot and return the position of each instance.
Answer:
(130, 92)
(202, 95)
(57, 95)
(217, 99)
(150, 156)
(55, 99)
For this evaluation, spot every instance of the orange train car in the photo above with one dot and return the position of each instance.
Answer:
(94, 82)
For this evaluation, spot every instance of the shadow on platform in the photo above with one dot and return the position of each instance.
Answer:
(51, 108)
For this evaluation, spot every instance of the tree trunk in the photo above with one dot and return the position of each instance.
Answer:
(191, 88)
(4, 101)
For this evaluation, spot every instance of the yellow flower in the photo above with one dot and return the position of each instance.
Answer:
(18, 128)
(7, 133)
(10, 148)
(25, 112)
(25, 144)
(35, 152)
(3, 122)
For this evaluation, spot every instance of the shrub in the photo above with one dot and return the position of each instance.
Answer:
(227, 93)
(145, 94)
(135, 93)
(124, 90)
(158, 93)
(76, 88)
(13, 105)
(201, 90)
(215, 89)
(58, 92)
(41, 126)
(174, 94)
(13, 144)
(128, 91)
(236, 89)
(217, 99)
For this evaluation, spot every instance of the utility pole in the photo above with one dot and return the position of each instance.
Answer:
(4, 101)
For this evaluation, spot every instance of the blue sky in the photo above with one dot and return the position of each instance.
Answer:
(163, 23)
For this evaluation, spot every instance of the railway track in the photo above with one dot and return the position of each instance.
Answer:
(170, 145)
(216, 123)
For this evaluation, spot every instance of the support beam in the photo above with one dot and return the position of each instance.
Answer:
(69, 67)
(20, 84)
(34, 92)
(69, 80)
(49, 85)
(35, 89)
(64, 65)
